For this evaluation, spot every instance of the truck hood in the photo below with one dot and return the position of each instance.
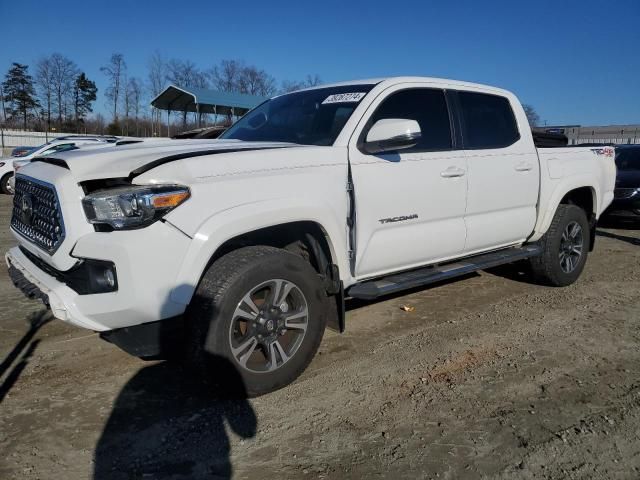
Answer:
(134, 159)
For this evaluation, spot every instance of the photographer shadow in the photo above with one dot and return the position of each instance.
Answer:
(168, 423)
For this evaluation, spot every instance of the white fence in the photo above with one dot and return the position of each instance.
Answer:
(24, 138)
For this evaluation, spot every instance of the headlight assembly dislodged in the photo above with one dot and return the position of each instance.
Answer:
(133, 207)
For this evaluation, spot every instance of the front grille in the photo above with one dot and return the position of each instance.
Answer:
(622, 193)
(36, 213)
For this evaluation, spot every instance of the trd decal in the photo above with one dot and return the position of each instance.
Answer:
(399, 219)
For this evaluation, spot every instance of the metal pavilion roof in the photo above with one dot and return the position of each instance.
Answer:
(202, 100)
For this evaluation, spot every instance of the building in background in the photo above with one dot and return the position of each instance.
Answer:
(202, 101)
(577, 134)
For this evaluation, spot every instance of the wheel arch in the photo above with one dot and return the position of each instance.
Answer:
(583, 195)
(308, 236)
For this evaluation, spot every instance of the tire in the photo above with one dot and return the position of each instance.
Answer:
(236, 342)
(564, 248)
(4, 181)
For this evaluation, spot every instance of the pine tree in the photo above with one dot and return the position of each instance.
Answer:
(84, 94)
(19, 92)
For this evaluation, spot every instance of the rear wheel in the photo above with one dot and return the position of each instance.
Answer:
(564, 248)
(263, 311)
(4, 183)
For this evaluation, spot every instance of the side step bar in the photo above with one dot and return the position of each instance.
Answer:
(397, 282)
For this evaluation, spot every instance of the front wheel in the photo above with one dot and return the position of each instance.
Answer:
(262, 311)
(564, 248)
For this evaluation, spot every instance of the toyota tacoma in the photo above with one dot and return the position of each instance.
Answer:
(245, 247)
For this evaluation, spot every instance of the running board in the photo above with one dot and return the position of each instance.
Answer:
(397, 282)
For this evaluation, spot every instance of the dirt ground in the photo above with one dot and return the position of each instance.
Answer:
(488, 377)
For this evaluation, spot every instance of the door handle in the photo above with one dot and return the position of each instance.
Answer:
(523, 167)
(453, 172)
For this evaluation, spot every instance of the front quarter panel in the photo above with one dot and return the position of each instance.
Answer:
(237, 193)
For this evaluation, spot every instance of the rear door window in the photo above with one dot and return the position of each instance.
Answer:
(488, 121)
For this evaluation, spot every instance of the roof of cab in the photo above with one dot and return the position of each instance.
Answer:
(389, 81)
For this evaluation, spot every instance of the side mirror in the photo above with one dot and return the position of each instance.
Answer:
(392, 134)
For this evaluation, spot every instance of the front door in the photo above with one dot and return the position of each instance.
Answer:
(410, 204)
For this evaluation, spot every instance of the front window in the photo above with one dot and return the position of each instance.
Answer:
(311, 117)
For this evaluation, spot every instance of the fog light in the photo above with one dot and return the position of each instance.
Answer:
(102, 276)
(109, 278)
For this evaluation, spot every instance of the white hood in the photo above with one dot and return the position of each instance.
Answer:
(124, 160)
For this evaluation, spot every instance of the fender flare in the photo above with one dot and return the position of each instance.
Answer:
(243, 219)
(559, 192)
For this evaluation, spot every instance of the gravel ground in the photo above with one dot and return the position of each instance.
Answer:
(487, 377)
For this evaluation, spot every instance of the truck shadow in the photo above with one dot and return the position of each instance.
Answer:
(169, 421)
(619, 223)
(24, 350)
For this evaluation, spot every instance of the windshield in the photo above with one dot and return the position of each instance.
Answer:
(311, 117)
(628, 159)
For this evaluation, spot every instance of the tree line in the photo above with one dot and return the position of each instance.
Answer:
(58, 95)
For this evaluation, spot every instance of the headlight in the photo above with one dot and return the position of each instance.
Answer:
(133, 207)
(2, 164)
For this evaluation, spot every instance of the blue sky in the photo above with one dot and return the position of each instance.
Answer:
(576, 61)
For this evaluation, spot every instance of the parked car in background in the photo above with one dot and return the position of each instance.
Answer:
(95, 138)
(626, 202)
(6, 174)
(22, 151)
(205, 132)
(55, 146)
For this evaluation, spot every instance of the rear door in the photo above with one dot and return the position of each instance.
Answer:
(410, 204)
(503, 172)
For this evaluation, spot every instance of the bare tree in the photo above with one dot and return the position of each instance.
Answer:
(157, 78)
(115, 71)
(185, 73)
(532, 115)
(256, 82)
(313, 80)
(126, 104)
(226, 76)
(2, 106)
(63, 74)
(134, 95)
(44, 85)
(292, 86)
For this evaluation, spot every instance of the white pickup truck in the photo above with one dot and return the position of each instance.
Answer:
(244, 248)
